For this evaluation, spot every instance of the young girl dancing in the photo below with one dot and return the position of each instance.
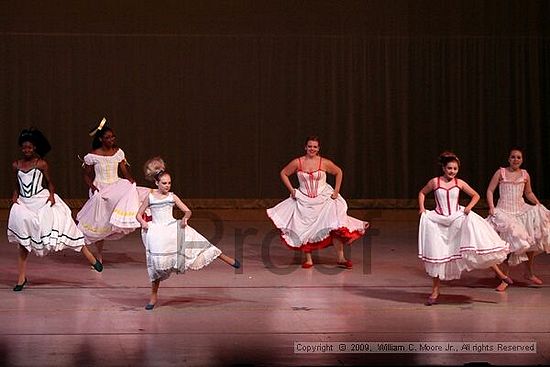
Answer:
(109, 213)
(39, 220)
(453, 238)
(525, 227)
(171, 245)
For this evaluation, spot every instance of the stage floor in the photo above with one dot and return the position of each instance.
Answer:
(69, 315)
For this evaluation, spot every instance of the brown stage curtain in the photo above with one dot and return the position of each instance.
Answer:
(228, 110)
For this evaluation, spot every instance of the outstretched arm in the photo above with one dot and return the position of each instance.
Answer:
(333, 169)
(528, 192)
(422, 195)
(123, 166)
(186, 211)
(43, 166)
(471, 192)
(89, 176)
(141, 210)
(15, 194)
(490, 191)
(287, 171)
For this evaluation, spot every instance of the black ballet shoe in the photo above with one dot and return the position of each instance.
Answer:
(98, 266)
(19, 287)
(236, 264)
(149, 306)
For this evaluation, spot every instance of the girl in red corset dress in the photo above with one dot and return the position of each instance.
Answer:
(315, 215)
(453, 238)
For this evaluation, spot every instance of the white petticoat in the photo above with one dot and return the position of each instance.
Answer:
(41, 228)
(451, 244)
(110, 213)
(525, 231)
(170, 248)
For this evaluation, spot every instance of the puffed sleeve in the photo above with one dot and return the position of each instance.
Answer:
(89, 160)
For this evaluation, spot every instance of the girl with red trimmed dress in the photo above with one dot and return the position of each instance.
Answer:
(315, 214)
(453, 238)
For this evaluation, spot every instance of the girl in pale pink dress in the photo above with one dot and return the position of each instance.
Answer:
(39, 221)
(110, 212)
(453, 238)
(315, 215)
(525, 227)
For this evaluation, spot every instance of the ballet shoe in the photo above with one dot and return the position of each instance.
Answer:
(508, 280)
(307, 265)
(534, 279)
(19, 287)
(236, 264)
(98, 266)
(346, 264)
(502, 286)
(431, 301)
(149, 306)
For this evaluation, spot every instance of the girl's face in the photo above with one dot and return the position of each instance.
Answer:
(108, 139)
(515, 159)
(164, 183)
(312, 148)
(450, 170)
(27, 148)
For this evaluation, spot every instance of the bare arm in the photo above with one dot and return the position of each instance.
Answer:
(123, 166)
(89, 176)
(471, 192)
(186, 211)
(287, 171)
(333, 169)
(490, 191)
(43, 166)
(141, 210)
(528, 192)
(429, 187)
(15, 194)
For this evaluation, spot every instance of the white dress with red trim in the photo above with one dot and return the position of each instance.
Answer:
(313, 219)
(170, 248)
(110, 212)
(525, 227)
(37, 225)
(449, 241)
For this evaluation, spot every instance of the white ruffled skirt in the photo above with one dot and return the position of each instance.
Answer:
(525, 231)
(451, 244)
(41, 228)
(170, 248)
(110, 213)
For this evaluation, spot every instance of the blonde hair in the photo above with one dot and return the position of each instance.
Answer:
(154, 168)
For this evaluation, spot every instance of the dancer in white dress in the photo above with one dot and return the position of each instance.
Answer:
(525, 227)
(453, 238)
(39, 221)
(171, 245)
(110, 212)
(315, 214)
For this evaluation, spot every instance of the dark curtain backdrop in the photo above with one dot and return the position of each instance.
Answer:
(227, 91)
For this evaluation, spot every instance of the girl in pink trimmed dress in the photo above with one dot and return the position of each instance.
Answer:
(453, 238)
(315, 215)
(525, 227)
(110, 212)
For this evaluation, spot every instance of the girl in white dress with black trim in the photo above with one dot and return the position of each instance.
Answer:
(39, 221)
(171, 245)
(453, 238)
(525, 227)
